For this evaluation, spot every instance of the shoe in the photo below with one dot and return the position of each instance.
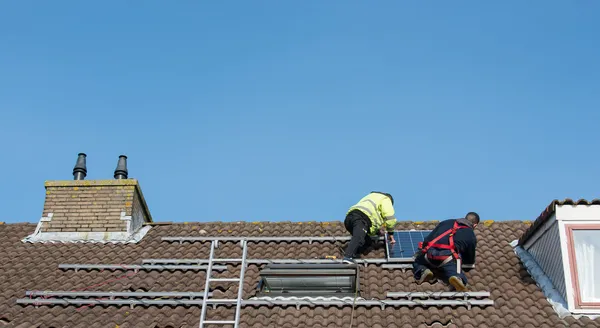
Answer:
(426, 276)
(348, 260)
(457, 283)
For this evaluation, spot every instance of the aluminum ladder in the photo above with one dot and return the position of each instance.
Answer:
(205, 301)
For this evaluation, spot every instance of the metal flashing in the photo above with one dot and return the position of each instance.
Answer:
(114, 237)
(553, 296)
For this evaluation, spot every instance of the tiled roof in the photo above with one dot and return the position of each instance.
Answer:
(549, 210)
(518, 301)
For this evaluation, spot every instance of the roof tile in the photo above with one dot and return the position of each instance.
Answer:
(518, 300)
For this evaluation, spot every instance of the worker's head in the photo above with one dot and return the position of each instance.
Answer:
(385, 193)
(473, 218)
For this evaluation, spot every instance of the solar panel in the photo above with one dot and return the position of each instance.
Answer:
(407, 243)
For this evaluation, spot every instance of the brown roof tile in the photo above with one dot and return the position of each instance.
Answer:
(26, 266)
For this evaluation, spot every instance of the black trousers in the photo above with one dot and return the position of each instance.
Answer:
(358, 224)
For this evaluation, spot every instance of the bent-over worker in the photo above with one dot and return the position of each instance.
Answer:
(372, 215)
(447, 252)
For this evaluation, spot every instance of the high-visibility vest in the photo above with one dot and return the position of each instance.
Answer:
(378, 207)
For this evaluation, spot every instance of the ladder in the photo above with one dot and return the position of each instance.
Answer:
(205, 301)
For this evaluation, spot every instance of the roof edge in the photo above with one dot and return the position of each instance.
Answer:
(549, 210)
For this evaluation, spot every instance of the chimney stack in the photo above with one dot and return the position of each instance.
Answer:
(80, 170)
(121, 170)
(81, 210)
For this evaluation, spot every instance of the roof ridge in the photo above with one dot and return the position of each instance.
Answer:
(160, 223)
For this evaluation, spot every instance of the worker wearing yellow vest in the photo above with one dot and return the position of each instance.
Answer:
(373, 215)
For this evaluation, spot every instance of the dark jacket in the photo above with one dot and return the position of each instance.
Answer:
(464, 239)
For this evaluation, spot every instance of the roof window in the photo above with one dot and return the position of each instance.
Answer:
(338, 280)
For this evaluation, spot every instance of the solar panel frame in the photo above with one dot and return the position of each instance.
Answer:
(411, 244)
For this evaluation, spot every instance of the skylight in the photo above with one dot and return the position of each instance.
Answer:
(339, 280)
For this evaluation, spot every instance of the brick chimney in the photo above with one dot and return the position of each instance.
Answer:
(93, 210)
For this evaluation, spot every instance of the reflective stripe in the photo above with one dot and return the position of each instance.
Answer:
(468, 266)
(372, 202)
(363, 208)
(393, 217)
(377, 214)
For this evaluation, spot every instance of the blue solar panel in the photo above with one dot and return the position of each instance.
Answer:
(407, 243)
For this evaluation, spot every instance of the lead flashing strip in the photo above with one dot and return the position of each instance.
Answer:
(114, 237)
(545, 284)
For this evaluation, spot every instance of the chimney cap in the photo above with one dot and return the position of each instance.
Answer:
(80, 169)
(121, 170)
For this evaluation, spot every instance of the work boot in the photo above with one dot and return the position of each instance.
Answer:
(348, 260)
(426, 276)
(457, 283)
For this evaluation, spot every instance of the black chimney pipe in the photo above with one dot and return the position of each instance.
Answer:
(121, 170)
(80, 170)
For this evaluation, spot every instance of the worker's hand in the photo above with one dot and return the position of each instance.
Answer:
(392, 241)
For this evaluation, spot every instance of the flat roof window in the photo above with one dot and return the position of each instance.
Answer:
(584, 251)
(339, 280)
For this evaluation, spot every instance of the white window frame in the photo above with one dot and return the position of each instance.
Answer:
(575, 217)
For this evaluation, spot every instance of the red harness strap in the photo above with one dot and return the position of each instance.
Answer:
(450, 245)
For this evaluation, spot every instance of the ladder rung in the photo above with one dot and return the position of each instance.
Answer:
(238, 280)
(220, 322)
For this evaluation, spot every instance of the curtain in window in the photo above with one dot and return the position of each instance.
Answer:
(587, 253)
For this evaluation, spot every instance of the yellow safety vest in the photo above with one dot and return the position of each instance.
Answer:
(378, 207)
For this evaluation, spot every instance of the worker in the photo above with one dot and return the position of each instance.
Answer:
(372, 215)
(447, 252)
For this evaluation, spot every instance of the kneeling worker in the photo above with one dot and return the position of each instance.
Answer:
(444, 252)
(372, 215)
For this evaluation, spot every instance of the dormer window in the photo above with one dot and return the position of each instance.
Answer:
(583, 243)
(563, 247)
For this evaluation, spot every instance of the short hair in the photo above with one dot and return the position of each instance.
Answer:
(472, 217)
(385, 193)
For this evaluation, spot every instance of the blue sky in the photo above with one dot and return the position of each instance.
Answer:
(277, 110)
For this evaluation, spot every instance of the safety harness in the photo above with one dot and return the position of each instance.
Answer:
(450, 246)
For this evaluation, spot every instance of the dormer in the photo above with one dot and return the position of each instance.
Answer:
(561, 249)
(82, 210)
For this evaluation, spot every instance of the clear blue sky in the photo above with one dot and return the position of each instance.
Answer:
(278, 110)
